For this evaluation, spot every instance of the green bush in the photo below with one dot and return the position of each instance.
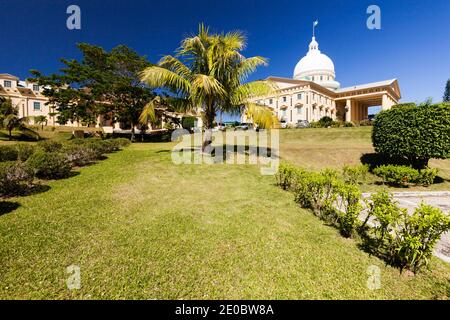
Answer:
(49, 165)
(348, 208)
(418, 234)
(79, 155)
(330, 198)
(286, 176)
(397, 175)
(50, 145)
(404, 175)
(24, 151)
(8, 153)
(15, 178)
(355, 174)
(416, 133)
(122, 142)
(188, 122)
(325, 122)
(426, 176)
(385, 211)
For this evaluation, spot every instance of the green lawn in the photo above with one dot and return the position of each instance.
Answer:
(141, 227)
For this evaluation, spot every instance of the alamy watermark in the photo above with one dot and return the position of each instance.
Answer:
(374, 279)
(73, 22)
(73, 282)
(374, 20)
(230, 147)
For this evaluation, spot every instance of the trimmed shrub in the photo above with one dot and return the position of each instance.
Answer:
(188, 122)
(325, 122)
(50, 145)
(417, 236)
(349, 208)
(49, 165)
(24, 151)
(366, 123)
(122, 142)
(384, 210)
(404, 175)
(330, 198)
(15, 178)
(426, 176)
(79, 155)
(414, 133)
(355, 174)
(8, 153)
(397, 175)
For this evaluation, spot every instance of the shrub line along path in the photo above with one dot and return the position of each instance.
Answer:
(439, 199)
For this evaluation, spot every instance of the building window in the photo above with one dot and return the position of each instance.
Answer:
(7, 84)
(284, 99)
(299, 96)
(35, 87)
(270, 101)
(312, 78)
(299, 110)
(37, 106)
(321, 78)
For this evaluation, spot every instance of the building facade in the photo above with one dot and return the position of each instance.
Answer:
(313, 93)
(26, 97)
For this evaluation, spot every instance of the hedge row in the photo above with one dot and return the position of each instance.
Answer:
(21, 163)
(405, 175)
(404, 240)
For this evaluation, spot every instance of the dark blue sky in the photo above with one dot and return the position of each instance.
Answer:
(413, 44)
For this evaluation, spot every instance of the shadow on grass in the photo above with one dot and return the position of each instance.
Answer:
(25, 134)
(374, 160)
(7, 207)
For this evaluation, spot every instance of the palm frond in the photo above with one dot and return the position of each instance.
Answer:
(261, 115)
(158, 77)
(253, 89)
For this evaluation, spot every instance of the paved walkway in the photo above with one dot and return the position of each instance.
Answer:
(411, 200)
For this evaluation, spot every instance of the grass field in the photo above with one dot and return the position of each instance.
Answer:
(140, 227)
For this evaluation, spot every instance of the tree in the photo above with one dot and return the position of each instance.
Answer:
(413, 133)
(41, 120)
(207, 73)
(102, 83)
(446, 97)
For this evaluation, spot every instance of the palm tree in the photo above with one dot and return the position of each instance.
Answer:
(207, 73)
(9, 118)
(42, 120)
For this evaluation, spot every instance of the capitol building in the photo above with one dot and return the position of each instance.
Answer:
(314, 92)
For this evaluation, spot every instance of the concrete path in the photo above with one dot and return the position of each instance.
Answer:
(439, 199)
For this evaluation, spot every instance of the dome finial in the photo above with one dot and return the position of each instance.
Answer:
(315, 23)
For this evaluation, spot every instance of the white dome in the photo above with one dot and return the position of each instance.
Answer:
(316, 66)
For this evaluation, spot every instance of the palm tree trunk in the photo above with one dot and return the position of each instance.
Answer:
(10, 134)
(132, 132)
(209, 115)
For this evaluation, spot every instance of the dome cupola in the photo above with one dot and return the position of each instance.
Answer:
(316, 67)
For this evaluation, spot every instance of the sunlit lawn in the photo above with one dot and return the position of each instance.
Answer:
(140, 227)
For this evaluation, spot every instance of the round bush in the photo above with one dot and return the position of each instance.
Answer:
(8, 153)
(24, 151)
(50, 145)
(15, 178)
(415, 133)
(79, 155)
(49, 165)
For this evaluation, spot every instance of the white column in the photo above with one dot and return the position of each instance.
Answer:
(348, 110)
